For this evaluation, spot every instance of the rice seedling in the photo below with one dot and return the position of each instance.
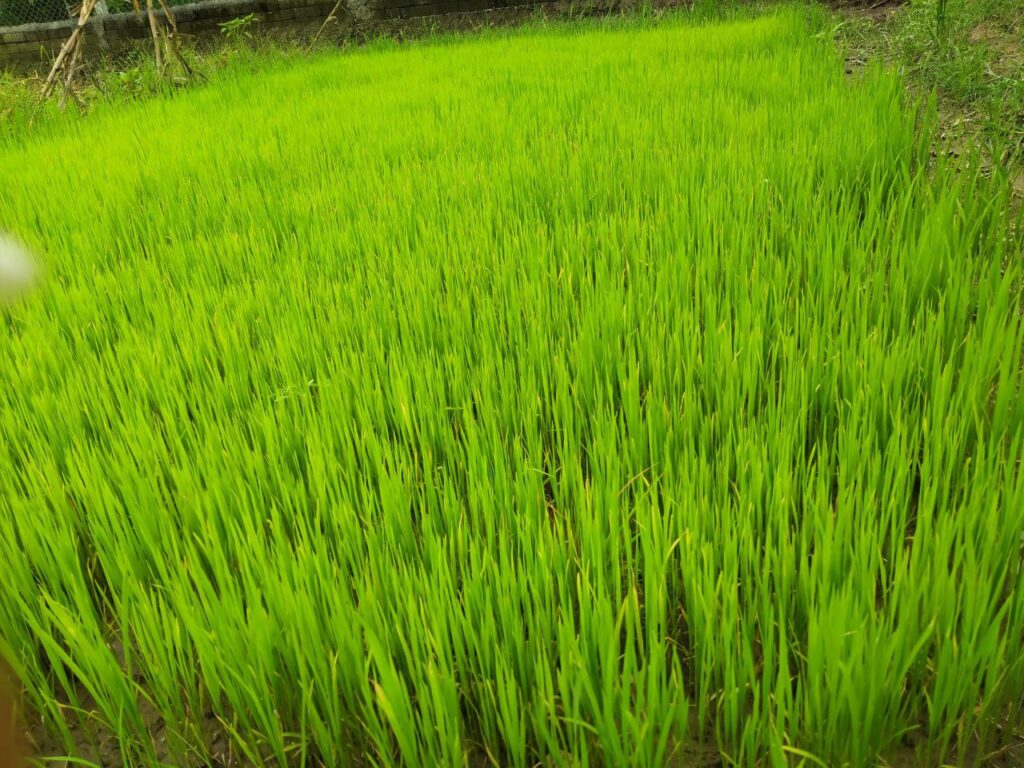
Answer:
(593, 395)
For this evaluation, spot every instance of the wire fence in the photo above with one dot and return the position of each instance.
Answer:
(14, 13)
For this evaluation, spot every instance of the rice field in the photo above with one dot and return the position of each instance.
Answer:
(606, 394)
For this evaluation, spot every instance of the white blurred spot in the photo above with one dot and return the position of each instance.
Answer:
(18, 270)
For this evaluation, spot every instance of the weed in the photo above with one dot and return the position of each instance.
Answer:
(240, 29)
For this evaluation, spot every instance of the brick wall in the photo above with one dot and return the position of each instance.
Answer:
(34, 45)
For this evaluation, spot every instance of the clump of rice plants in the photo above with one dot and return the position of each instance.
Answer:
(594, 395)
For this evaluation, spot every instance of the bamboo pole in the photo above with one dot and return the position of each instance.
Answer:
(70, 45)
(156, 37)
(172, 38)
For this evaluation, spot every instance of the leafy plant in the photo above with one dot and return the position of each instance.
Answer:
(942, 21)
(240, 29)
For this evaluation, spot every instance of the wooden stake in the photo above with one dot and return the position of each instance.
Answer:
(156, 36)
(68, 59)
(70, 45)
(169, 17)
(68, 86)
(172, 38)
(330, 17)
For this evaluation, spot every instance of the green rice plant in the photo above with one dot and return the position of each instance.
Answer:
(941, 21)
(599, 394)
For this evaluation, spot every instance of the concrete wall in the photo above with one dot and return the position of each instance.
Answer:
(34, 45)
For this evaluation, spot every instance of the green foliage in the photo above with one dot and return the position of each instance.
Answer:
(568, 397)
(239, 29)
(971, 52)
(16, 101)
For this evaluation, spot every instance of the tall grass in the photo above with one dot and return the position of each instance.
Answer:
(969, 52)
(579, 397)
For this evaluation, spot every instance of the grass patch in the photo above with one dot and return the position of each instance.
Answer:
(587, 395)
(971, 54)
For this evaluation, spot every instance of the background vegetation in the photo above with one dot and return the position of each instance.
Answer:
(971, 52)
